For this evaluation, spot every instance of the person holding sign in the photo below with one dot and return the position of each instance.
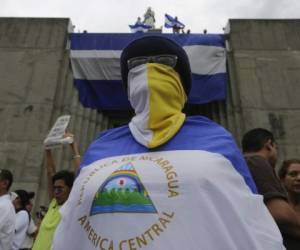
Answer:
(59, 187)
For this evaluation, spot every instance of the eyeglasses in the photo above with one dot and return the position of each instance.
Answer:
(169, 60)
(58, 189)
(293, 174)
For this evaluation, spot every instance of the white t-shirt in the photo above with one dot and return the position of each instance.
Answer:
(28, 241)
(7, 222)
(22, 224)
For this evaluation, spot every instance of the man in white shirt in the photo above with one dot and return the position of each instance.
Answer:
(7, 211)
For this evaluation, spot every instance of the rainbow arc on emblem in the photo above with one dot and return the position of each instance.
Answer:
(122, 192)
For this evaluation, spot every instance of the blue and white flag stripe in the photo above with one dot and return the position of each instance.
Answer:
(96, 64)
(118, 41)
(95, 60)
(86, 63)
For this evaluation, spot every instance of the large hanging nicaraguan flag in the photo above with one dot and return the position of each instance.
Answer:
(96, 67)
(194, 192)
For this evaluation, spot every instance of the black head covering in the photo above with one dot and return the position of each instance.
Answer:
(157, 45)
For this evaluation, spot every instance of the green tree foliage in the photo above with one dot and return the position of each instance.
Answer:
(121, 196)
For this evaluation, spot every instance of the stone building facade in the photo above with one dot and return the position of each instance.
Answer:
(36, 86)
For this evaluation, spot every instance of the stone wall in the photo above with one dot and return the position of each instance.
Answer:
(264, 69)
(36, 87)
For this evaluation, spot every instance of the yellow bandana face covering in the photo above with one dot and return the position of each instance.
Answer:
(157, 96)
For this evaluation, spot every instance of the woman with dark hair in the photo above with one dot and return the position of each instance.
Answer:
(22, 217)
(289, 174)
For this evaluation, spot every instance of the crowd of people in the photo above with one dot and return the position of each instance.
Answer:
(281, 194)
(222, 198)
(18, 230)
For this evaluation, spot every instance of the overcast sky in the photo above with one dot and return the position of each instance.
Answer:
(115, 15)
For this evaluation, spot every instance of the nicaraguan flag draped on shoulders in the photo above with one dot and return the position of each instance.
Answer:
(96, 67)
(193, 192)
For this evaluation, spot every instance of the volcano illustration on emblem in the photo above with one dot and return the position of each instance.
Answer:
(122, 192)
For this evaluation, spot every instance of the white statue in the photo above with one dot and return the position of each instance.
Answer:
(149, 18)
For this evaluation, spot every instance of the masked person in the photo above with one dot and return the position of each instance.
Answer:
(165, 181)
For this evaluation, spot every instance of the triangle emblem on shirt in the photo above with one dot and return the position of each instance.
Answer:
(122, 192)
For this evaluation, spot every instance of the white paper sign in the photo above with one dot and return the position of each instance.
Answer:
(56, 137)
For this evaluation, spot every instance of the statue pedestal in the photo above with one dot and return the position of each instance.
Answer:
(155, 30)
